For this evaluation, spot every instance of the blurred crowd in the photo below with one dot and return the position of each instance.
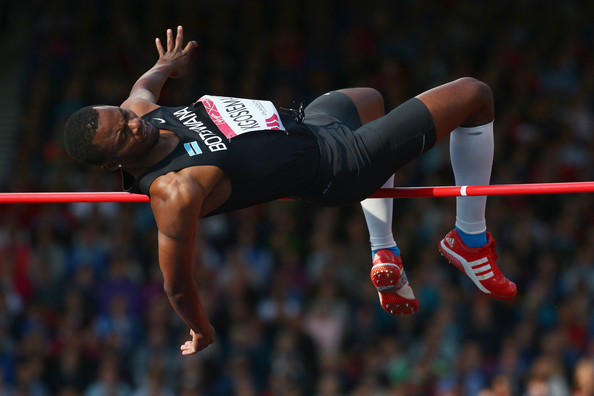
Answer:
(286, 284)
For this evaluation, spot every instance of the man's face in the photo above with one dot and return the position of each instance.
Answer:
(123, 136)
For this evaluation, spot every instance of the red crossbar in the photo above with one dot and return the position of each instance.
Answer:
(400, 192)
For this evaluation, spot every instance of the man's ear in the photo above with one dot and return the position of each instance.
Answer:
(111, 166)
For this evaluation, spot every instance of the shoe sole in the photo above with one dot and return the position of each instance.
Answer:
(388, 280)
(471, 269)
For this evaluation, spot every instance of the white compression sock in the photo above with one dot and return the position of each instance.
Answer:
(378, 214)
(471, 154)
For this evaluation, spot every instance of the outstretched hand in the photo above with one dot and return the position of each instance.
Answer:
(199, 342)
(176, 55)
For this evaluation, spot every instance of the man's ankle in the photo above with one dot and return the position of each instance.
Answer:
(473, 240)
(394, 249)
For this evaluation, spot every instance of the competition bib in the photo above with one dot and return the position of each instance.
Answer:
(234, 116)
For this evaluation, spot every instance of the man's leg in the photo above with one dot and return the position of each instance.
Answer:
(387, 274)
(378, 212)
(464, 108)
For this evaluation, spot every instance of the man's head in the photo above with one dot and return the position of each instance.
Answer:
(108, 136)
(79, 132)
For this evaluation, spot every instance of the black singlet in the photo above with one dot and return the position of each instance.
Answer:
(261, 165)
(327, 157)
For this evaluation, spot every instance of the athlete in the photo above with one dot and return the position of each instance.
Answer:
(222, 154)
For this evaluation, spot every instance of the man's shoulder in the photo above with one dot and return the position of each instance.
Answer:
(176, 202)
(139, 106)
(187, 184)
(175, 188)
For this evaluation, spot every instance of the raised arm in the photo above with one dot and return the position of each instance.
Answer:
(171, 63)
(176, 204)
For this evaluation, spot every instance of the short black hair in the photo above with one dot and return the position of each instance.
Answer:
(79, 132)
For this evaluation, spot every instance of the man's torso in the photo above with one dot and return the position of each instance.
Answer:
(239, 164)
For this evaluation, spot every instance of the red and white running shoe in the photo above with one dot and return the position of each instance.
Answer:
(388, 276)
(478, 264)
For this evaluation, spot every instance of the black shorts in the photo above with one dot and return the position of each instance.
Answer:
(357, 160)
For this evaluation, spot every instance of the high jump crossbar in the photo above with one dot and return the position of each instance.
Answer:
(399, 192)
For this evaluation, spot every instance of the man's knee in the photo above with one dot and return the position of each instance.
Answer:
(369, 103)
(481, 93)
(373, 105)
(481, 97)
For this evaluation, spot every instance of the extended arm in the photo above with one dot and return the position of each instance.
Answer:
(171, 63)
(176, 205)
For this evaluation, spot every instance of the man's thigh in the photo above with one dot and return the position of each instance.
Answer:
(331, 107)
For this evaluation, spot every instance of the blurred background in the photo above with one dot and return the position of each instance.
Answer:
(286, 285)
